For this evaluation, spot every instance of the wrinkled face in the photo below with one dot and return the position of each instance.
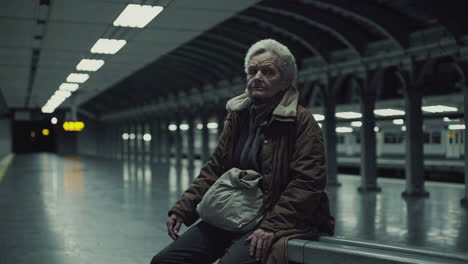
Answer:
(264, 79)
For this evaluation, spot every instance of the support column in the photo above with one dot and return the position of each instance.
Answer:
(139, 140)
(164, 147)
(330, 140)
(464, 201)
(368, 145)
(414, 170)
(191, 141)
(156, 140)
(169, 140)
(132, 141)
(178, 142)
(205, 138)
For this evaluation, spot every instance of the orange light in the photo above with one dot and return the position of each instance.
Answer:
(73, 126)
(45, 132)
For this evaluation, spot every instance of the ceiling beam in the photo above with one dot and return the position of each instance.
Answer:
(287, 33)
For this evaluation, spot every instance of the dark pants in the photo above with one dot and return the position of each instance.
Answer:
(204, 244)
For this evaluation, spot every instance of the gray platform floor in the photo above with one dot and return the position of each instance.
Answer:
(82, 210)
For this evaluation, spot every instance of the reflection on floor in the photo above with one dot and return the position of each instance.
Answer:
(83, 210)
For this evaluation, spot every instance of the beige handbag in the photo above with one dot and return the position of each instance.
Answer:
(233, 202)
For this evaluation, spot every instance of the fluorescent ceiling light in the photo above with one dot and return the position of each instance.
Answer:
(344, 129)
(439, 108)
(448, 119)
(319, 117)
(89, 65)
(47, 110)
(71, 87)
(212, 125)
(147, 137)
(137, 15)
(183, 126)
(172, 127)
(77, 77)
(456, 127)
(108, 46)
(348, 115)
(403, 128)
(63, 94)
(132, 136)
(376, 129)
(356, 123)
(125, 136)
(388, 112)
(398, 121)
(199, 126)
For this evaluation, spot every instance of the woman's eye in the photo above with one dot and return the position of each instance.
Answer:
(252, 72)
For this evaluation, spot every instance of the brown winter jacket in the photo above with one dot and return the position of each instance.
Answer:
(293, 168)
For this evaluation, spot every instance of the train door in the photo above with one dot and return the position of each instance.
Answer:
(379, 140)
(453, 149)
(462, 143)
(349, 142)
(457, 143)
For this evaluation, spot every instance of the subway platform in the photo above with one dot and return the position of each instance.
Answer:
(71, 210)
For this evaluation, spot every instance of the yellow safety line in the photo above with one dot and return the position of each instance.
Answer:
(4, 164)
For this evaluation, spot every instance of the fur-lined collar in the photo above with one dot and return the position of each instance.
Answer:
(286, 108)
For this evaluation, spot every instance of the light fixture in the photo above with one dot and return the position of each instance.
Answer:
(348, 115)
(73, 125)
(199, 126)
(77, 77)
(125, 136)
(448, 119)
(320, 125)
(172, 127)
(131, 136)
(54, 120)
(398, 121)
(319, 117)
(388, 112)
(439, 108)
(183, 126)
(356, 123)
(376, 129)
(344, 129)
(63, 94)
(403, 128)
(456, 127)
(45, 132)
(89, 65)
(108, 46)
(137, 15)
(71, 87)
(47, 110)
(212, 125)
(147, 137)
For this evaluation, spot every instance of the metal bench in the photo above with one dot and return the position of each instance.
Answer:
(332, 250)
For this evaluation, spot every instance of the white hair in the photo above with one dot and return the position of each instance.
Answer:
(286, 61)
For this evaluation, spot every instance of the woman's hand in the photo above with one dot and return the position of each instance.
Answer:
(259, 243)
(173, 225)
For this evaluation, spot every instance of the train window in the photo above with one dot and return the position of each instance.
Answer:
(436, 137)
(426, 138)
(393, 138)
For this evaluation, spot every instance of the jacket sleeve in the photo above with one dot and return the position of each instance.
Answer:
(307, 179)
(209, 173)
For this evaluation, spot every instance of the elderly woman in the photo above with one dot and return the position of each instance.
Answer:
(265, 131)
